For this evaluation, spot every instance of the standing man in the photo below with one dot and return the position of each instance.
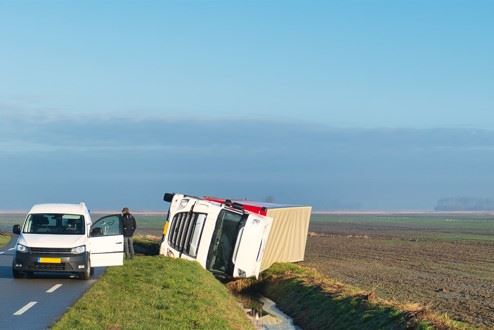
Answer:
(129, 227)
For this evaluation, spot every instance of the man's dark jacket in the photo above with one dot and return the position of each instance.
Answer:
(129, 225)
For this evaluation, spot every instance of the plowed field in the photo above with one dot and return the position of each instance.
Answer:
(444, 261)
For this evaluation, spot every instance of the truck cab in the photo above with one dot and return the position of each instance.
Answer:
(223, 237)
(62, 238)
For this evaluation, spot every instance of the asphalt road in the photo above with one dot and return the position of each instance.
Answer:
(38, 302)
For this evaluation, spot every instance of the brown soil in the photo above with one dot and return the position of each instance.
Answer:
(454, 277)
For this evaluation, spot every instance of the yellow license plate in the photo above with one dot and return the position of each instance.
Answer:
(50, 260)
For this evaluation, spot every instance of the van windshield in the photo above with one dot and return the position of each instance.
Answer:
(56, 224)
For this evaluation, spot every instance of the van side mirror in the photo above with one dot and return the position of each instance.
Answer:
(16, 229)
(168, 197)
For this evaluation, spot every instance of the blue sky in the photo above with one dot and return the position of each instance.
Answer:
(354, 67)
(343, 63)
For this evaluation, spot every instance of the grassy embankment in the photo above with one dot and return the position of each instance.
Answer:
(152, 292)
(318, 302)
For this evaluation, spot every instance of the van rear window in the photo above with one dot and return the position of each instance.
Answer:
(55, 224)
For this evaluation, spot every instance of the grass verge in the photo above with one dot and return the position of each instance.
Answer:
(4, 239)
(154, 292)
(318, 302)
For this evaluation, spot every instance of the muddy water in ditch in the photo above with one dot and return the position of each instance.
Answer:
(271, 318)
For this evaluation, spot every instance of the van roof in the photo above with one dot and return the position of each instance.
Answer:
(60, 208)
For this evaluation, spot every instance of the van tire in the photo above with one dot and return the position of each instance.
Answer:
(86, 274)
(17, 273)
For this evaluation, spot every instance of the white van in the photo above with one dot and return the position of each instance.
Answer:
(62, 238)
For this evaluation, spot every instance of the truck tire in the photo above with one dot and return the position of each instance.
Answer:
(17, 273)
(86, 274)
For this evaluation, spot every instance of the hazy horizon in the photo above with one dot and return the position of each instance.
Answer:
(86, 159)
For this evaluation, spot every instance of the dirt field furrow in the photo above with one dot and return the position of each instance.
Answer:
(453, 274)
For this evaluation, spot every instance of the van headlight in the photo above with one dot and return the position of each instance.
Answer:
(21, 248)
(78, 249)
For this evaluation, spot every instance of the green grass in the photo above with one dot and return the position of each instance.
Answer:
(449, 227)
(6, 223)
(150, 221)
(156, 293)
(439, 221)
(4, 239)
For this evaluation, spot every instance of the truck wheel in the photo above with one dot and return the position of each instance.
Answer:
(86, 274)
(17, 274)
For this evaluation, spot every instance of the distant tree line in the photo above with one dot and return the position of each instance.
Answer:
(464, 204)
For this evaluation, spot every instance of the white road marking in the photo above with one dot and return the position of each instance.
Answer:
(54, 288)
(25, 308)
(12, 249)
(2, 252)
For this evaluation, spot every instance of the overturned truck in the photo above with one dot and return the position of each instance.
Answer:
(234, 238)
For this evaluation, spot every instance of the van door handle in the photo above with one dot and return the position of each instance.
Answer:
(118, 243)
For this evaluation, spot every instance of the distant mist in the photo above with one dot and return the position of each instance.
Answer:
(465, 204)
(120, 161)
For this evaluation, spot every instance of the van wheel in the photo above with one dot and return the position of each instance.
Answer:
(86, 274)
(17, 274)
